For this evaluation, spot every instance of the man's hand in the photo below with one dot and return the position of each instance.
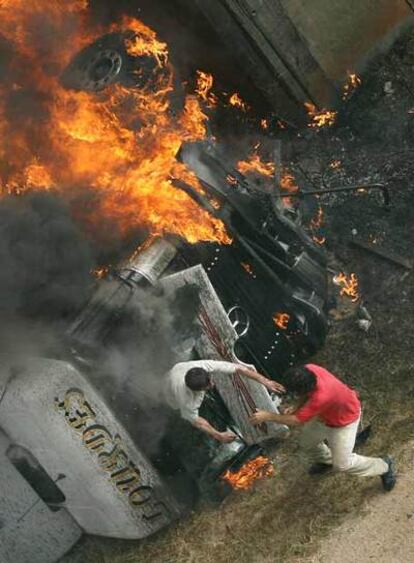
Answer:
(274, 387)
(289, 410)
(260, 416)
(226, 437)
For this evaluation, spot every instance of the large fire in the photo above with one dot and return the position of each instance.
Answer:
(118, 145)
(255, 469)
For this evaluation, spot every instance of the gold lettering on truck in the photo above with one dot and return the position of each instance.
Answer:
(108, 451)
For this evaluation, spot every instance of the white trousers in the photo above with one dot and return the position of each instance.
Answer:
(339, 451)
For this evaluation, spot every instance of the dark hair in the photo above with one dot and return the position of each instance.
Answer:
(197, 379)
(299, 380)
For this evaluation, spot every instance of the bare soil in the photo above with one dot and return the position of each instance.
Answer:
(383, 532)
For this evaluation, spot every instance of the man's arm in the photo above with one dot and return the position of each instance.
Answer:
(272, 386)
(203, 425)
(264, 416)
(230, 368)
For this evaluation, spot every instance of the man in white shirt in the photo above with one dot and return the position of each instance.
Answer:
(187, 383)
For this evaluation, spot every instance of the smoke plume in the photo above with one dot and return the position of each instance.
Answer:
(45, 270)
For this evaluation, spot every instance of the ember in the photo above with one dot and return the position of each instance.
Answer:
(320, 118)
(101, 273)
(248, 268)
(117, 142)
(281, 320)
(249, 473)
(348, 284)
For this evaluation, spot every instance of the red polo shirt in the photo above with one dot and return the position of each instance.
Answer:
(333, 402)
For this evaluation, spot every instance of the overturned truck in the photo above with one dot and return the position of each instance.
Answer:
(76, 454)
(80, 454)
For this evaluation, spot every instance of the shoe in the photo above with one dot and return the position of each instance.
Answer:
(319, 468)
(389, 478)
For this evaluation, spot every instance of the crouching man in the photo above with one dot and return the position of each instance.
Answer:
(330, 412)
(188, 382)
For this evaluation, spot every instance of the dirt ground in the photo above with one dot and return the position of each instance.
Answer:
(383, 532)
(292, 517)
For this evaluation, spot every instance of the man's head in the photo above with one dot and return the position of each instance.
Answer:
(198, 379)
(299, 381)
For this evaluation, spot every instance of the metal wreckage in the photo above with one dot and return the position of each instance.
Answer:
(71, 461)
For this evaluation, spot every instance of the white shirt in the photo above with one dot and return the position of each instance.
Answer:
(182, 398)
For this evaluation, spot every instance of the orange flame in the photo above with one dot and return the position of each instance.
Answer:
(348, 284)
(281, 320)
(352, 82)
(119, 144)
(320, 118)
(288, 184)
(256, 165)
(315, 224)
(317, 220)
(335, 164)
(205, 83)
(255, 469)
(236, 101)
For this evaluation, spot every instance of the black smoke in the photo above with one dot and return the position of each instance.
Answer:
(45, 265)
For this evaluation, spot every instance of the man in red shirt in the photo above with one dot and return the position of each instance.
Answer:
(330, 412)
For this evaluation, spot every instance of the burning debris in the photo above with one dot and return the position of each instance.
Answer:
(348, 285)
(320, 118)
(352, 83)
